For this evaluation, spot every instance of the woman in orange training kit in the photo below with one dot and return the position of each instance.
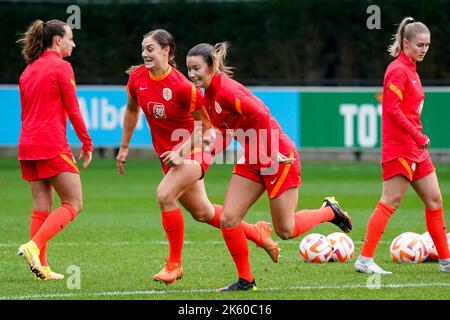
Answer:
(405, 159)
(270, 161)
(47, 96)
(171, 102)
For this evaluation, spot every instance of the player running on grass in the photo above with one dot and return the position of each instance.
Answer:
(47, 95)
(171, 103)
(232, 107)
(405, 159)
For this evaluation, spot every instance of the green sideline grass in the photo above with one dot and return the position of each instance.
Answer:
(118, 243)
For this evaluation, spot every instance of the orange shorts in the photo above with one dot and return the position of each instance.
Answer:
(405, 167)
(288, 176)
(199, 157)
(42, 169)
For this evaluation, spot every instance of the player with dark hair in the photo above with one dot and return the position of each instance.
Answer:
(270, 161)
(48, 97)
(171, 103)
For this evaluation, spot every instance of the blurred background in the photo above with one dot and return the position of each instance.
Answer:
(317, 64)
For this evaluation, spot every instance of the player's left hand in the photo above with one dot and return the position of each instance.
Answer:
(285, 160)
(171, 158)
(87, 155)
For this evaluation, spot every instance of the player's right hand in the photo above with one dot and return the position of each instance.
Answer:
(121, 159)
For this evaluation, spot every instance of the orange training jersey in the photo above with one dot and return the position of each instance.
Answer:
(167, 102)
(48, 96)
(402, 105)
(232, 106)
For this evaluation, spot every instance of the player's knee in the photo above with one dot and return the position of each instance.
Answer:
(284, 233)
(74, 205)
(392, 201)
(43, 208)
(435, 202)
(77, 205)
(163, 197)
(227, 221)
(201, 215)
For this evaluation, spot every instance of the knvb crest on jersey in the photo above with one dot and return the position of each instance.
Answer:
(218, 107)
(167, 94)
(159, 111)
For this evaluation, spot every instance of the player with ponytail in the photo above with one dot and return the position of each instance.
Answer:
(48, 97)
(405, 159)
(270, 161)
(172, 104)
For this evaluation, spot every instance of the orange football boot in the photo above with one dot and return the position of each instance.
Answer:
(265, 241)
(171, 272)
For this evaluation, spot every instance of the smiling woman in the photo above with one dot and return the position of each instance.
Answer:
(171, 103)
(264, 166)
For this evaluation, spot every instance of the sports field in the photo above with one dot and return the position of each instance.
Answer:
(118, 242)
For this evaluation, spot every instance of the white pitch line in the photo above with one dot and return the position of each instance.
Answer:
(139, 243)
(156, 292)
(119, 243)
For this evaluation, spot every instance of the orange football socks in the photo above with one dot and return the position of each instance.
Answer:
(375, 228)
(215, 221)
(237, 246)
(55, 222)
(436, 227)
(36, 221)
(250, 230)
(173, 223)
(305, 220)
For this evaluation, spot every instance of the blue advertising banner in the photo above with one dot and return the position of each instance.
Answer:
(103, 108)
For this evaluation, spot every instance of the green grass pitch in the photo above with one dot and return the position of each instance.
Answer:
(118, 242)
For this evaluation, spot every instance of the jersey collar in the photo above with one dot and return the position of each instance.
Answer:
(403, 57)
(161, 77)
(52, 53)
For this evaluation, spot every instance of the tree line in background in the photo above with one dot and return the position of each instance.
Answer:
(310, 42)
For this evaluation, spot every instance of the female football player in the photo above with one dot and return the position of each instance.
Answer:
(171, 103)
(270, 161)
(47, 95)
(405, 159)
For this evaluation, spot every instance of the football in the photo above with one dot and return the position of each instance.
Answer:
(315, 248)
(432, 253)
(343, 247)
(409, 247)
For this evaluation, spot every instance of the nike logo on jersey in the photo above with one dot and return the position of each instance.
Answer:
(414, 81)
(142, 88)
(273, 181)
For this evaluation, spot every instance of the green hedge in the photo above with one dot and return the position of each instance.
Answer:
(273, 42)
